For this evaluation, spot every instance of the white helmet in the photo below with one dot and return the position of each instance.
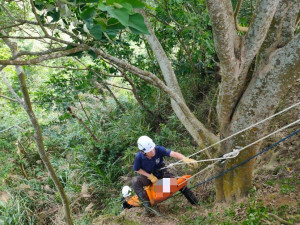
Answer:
(145, 144)
(126, 191)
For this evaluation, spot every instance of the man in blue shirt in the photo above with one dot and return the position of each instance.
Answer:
(148, 163)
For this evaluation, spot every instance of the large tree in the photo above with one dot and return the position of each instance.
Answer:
(258, 64)
(257, 68)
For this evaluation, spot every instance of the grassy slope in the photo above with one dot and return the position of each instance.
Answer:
(274, 199)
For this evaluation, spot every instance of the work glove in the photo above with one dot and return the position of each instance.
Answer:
(153, 178)
(190, 162)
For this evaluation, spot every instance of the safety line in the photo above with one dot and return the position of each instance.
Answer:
(253, 125)
(266, 149)
(241, 149)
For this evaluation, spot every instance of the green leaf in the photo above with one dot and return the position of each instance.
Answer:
(87, 1)
(93, 54)
(96, 31)
(38, 4)
(87, 14)
(120, 14)
(127, 6)
(55, 15)
(110, 2)
(101, 22)
(64, 116)
(137, 24)
(137, 4)
(113, 27)
(103, 7)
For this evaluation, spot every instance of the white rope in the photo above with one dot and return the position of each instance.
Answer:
(229, 155)
(237, 151)
(253, 125)
(255, 142)
(201, 171)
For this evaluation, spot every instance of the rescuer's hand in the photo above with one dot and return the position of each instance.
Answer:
(191, 162)
(153, 178)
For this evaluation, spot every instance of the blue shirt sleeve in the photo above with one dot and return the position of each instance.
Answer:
(163, 151)
(137, 162)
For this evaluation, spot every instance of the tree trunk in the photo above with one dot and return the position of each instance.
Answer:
(247, 97)
(39, 137)
(201, 135)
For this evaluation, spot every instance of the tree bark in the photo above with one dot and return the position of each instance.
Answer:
(201, 135)
(39, 137)
(274, 74)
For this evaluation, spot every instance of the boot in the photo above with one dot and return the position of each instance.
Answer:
(145, 202)
(189, 195)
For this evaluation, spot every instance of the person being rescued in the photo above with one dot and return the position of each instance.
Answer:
(149, 164)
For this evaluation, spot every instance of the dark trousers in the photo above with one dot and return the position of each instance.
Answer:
(141, 181)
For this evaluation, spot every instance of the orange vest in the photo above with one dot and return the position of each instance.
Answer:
(161, 190)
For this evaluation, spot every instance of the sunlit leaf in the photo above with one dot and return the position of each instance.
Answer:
(137, 24)
(120, 14)
(96, 31)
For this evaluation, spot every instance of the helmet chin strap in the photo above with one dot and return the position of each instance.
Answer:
(144, 153)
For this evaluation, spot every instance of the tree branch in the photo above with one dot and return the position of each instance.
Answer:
(282, 28)
(8, 98)
(21, 53)
(85, 113)
(47, 25)
(282, 221)
(2, 131)
(15, 25)
(169, 14)
(272, 81)
(234, 83)
(38, 19)
(112, 94)
(154, 80)
(113, 85)
(38, 135)
(52, 55)
(17, 98)
(199, 132)
(134, 91)
(257, 31)
(236, 12)
(224, 32)
(20, 37)
(61, 67)
(83, 124)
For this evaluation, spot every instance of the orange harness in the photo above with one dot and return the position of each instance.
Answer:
(161, 190)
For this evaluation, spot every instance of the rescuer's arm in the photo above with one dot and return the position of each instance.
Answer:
(151, 177)
(177, 155)
(190, 162)
(143, 172)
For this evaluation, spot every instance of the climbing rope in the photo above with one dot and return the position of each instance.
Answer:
(242, 163)
(253, 125)
(247, 160)
(235, 152)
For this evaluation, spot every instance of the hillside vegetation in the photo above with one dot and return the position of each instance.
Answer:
(82, 80)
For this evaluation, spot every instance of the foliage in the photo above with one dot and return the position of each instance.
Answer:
(17, 211)
(101, 20)
(91, 171)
